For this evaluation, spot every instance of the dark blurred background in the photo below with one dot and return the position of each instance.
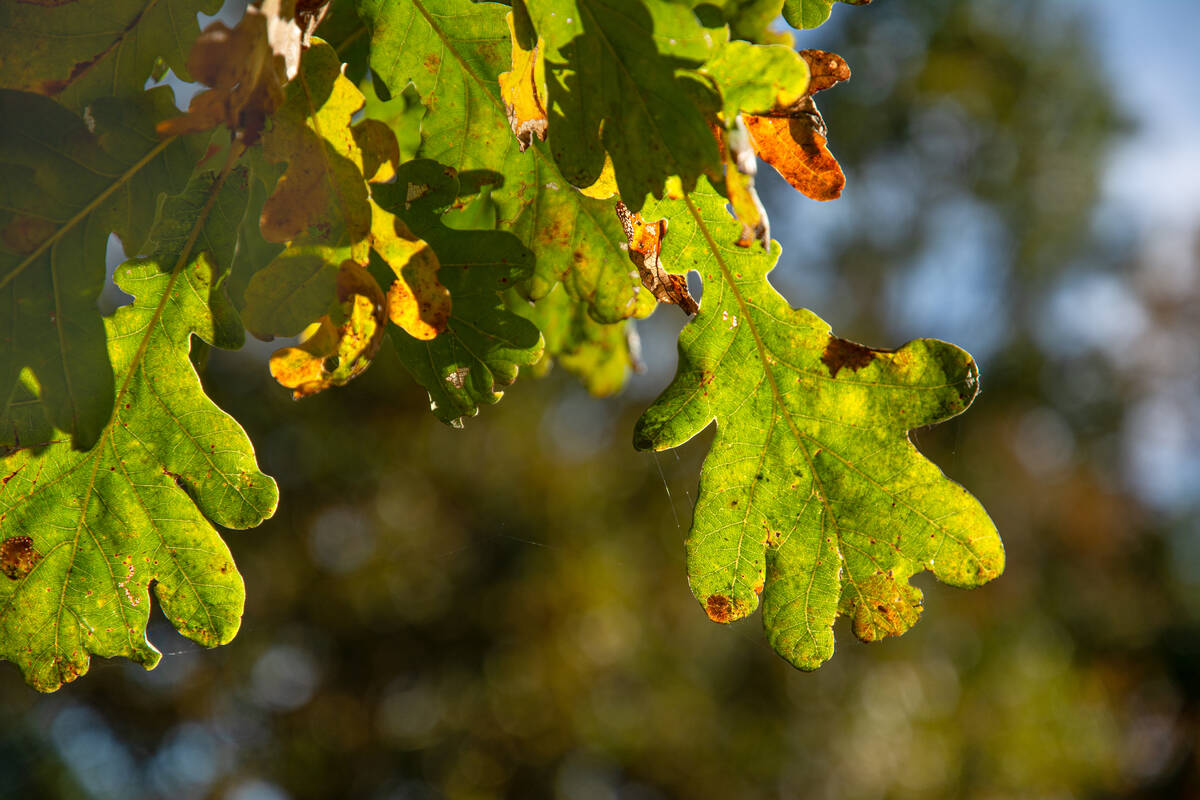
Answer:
(502, 612)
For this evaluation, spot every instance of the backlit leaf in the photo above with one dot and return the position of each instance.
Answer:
(246, 74)
(322, 194)
(79, 50)
(138, 508)
(645, 248)
(757, 78)
(793, 142)
(483, 344)
(618, 84)
(812, 13)
(416, 301)
(335, 354)
(68, 184)
(812, 494)
(453, 51)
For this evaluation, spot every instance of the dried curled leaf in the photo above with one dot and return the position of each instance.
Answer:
(645, 245)
(333, 356)
(524, 88)
(246, 66)
(825, 69)
(793, 142)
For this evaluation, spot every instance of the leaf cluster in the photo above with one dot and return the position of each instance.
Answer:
(503, 187)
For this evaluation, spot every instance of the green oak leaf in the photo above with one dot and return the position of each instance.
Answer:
(78, 51)
(453, 52)
(620, 81)
(806, 14)
(756, 78)
(812, 494)
(85, 534)
(484, 344)
(69, 183)
(253, 251)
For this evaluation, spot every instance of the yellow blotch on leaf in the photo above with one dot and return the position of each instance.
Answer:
(331, 354)
(380, 150)
(524, 88)
(605, 185)
(416, 301)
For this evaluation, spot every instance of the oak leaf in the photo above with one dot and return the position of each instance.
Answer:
(619, 87)
(451, 53)
(135, 514)
(246, 67)
(484, 344)
(80, 51)
(69, 183)
(792, 140)
(812, 13)
(812, 496)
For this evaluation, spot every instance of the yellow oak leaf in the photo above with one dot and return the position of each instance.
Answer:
(793, 142)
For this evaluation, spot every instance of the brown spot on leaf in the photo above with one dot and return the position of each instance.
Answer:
(719, 608)
(841, 353)
(17, 557)
(25, 234)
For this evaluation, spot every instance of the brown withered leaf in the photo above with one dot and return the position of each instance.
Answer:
(334, 355)
(523, 89)
(793, 141)
(825, 69)
(246, 66)
(645, 245)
